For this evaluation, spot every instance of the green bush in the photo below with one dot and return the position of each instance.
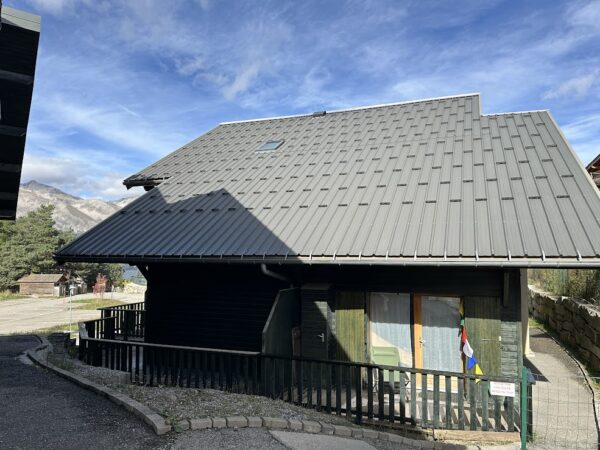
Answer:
(579, 283)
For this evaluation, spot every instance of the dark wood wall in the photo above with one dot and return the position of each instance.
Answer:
(227, 305)
(201, 305)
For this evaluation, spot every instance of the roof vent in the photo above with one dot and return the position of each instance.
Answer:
(319, 113)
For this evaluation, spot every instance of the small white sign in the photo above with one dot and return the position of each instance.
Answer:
(502, 389)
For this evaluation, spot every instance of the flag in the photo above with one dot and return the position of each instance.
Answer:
(467, 350)
(463, 335)
(472, 361)
(478, 371)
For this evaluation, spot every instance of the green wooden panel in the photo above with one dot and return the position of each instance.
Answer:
(482, 319)
(350, 326)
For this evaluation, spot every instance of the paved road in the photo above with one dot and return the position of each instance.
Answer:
(28, 314)
(562, 401)
(41, 410)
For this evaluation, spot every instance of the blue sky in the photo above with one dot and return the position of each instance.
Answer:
(120, 84)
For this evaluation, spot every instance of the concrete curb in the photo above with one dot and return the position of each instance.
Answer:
(39, 356)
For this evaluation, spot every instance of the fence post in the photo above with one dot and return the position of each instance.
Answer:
(524, 408)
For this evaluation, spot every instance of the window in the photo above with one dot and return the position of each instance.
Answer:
(270, 146)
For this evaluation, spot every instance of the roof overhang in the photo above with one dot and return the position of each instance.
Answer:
(340, 261)
(19, 38)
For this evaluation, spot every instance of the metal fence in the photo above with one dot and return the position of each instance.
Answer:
(564, 412)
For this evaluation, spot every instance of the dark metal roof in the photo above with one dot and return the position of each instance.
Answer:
(424, 182)
(19, 36)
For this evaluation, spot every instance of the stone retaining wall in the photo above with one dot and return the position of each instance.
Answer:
(576, 323)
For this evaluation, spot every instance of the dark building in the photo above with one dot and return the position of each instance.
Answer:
(355, 231)
(593, 169)
(19, 37)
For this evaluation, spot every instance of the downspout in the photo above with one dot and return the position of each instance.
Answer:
(277, 276)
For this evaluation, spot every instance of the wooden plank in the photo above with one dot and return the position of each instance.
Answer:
(338, 390)
(348, 383)
(380, 396)
(436, 401)
(392, 405)
(461, 405)
(402, 396)
(370, 392)
(472, 404)
(448, 383)
(328, 369)
(482, 320)
(358, 388)
(424, 411)
(349, 329)
(484, 386)
(413, 397)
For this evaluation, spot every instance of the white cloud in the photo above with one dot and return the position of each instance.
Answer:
(574, 87)
(585, 14)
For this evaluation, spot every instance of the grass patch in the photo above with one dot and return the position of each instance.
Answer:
(95, 303)
(7, 295)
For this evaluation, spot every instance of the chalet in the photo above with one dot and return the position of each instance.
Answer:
(369, 231)
(593, 169)
(19, 37)
(43, 284)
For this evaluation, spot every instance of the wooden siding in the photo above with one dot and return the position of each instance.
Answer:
(482, 319)
(217, 307)
(350, 326)
(37, 289)
(510, 327)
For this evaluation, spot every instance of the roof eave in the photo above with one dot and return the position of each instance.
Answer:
(364, 261)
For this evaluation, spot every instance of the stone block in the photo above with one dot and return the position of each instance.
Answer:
(254, 422)
(236, 422)
(370, 434)
(311, 427)
(340, 430)
(357, 433)
(397, 439)
(295, 424)
(200, 424)
(567, 325)
(595, 350)
(384, 436)
(219, 422)
(275, 423)
(326, 428)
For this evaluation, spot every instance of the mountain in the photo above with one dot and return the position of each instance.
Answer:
(70, 212)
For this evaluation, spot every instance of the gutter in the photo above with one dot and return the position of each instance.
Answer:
(277, 276)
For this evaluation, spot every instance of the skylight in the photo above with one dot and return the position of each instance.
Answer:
(270, 145)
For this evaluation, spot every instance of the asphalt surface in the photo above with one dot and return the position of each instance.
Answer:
(41, 410)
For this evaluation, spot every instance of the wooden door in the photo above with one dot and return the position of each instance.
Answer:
(350, 326)
(482, 319)
(315, 329)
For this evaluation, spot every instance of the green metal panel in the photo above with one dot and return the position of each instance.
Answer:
(350, 326)
(482, 319)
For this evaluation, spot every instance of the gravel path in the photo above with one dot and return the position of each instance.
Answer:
(41, 410)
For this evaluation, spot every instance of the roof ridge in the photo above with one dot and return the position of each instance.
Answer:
(515, 112)
(356, 108)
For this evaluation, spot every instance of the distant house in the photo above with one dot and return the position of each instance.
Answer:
(43, 284)
(19, 37)
(371, 228)
(593, 169)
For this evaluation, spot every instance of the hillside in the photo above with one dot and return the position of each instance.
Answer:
(70, 212)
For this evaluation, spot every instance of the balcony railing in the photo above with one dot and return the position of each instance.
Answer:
(362, 392)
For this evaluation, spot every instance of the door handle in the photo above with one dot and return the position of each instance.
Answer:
(321, 336)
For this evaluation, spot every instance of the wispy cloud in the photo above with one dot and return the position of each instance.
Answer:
(120, 83)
